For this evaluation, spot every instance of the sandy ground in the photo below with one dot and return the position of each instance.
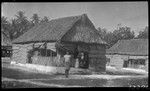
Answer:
(54, 77)
(54, 70)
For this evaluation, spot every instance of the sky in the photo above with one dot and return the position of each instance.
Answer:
(102, 14)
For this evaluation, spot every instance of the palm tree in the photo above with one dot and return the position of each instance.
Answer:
(21, 23)
(4, 22)
(5, 26)
(35, 19)
(21, 16)
(143, 34)
(14, 29)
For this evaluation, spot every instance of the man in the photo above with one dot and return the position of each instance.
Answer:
(67, 57)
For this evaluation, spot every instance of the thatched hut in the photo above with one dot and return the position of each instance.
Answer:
(131, 53)
(6, 45)
(51, 40)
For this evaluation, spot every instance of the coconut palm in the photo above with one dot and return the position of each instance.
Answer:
(35, 19)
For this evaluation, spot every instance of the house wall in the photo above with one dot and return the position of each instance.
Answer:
(146, 66)
(20, 52)
(47, 61)
(97, 57)
(118, 60)
(20, 55)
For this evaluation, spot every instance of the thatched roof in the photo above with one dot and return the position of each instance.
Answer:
(130, 47)
(61, 29)
(5, 40)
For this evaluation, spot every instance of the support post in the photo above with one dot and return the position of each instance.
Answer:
(46, 48)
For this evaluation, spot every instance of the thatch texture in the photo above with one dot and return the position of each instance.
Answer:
(83, 31)
(130, 47)
(80, 28)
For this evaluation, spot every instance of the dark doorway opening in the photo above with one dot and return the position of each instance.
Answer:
(6, 51)
(84, 63)
(125, 65)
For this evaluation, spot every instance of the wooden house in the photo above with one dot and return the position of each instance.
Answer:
(51, 40)
(131, 53)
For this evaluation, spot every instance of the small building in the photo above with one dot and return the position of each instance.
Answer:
(51, 40)
(131, 53)
(6, 45)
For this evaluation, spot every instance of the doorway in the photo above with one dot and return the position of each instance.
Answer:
(125, 64)
(84, 62)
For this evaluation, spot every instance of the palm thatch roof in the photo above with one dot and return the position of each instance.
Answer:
(130, 47)
(5, 40)
(60, 30)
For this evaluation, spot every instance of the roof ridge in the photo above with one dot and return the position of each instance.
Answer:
(69, 28)
(65, 17)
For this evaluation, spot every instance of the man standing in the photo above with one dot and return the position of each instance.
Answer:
(67, 57)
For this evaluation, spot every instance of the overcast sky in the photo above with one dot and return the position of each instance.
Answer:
(102, 14)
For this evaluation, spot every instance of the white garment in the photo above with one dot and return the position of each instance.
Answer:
(67, 58)
(82, 57)
(77, 63)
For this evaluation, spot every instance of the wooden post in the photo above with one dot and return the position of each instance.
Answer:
(146, 64)
(45, 45)
(46, 48)
(33, 45)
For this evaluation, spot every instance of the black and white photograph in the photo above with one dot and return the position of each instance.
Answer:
(74, 44)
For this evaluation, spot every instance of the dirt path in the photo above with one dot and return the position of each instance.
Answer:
(19, 74)
(29, 81)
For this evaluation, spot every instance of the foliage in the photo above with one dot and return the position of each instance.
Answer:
(5, 25)
(122, 32)
(143, 34)
(35, 19)
(20, 24)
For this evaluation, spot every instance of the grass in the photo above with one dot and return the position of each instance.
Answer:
(134, 82)
(121, 73)
(19, 74)
(89, 82)
(121, 82)
(76, 82)
(16, 84)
